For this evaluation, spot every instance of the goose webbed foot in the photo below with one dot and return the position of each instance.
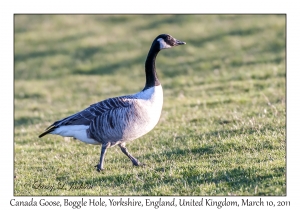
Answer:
(98, 168)
(134, 161)
(138, 164)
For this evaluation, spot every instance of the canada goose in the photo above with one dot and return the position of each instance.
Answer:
(118, 120)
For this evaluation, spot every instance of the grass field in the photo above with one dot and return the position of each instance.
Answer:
(222, 129)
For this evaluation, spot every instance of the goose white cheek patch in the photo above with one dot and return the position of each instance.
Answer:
(163, 44)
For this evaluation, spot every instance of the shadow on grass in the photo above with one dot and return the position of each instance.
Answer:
(20, 57)
(25, 121)
(240, 63)
(210, 104)
(207, 65)
(235, 180)
(85, 53)
(220, 147)
(111, 67)
(199, 41)
(25, 95)
(37, 54)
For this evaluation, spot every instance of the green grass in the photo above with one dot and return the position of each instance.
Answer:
(222, 129)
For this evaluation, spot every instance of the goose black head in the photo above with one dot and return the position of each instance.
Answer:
(165, 41)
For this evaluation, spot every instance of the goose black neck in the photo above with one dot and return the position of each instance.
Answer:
(150, 69)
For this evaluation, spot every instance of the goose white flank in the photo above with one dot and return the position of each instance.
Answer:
(116, 121)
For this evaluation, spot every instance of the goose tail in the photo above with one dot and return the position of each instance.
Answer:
(48, 130)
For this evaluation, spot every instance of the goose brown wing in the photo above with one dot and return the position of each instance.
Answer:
(86, 116)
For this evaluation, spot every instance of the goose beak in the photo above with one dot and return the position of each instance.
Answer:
(178, 42)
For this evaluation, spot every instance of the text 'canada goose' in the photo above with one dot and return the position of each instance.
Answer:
(118, 120)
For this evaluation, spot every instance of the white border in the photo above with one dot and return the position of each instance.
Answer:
(8, 8)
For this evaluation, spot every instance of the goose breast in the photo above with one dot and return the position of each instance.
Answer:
(127, 123)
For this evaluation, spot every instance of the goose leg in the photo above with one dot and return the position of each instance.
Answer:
(102, 155)
(133, 159)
